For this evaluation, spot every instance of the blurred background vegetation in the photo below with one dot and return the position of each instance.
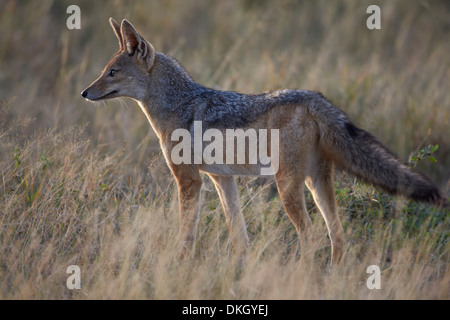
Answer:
(73, 174)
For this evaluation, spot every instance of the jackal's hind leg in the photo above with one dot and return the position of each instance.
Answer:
(321, 185)
(291, 189)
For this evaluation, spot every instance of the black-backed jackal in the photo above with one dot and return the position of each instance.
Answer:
(314, 138)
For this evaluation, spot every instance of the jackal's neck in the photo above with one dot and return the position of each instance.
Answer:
(168, 90)
(170, 84)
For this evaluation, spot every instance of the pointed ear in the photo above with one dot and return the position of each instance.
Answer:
(131, 38)
(116, 29)
(135, 43)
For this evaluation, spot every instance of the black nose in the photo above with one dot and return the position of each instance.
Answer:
(84, 93)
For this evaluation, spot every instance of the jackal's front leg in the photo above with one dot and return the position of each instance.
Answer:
(189, 185)
(229, 197)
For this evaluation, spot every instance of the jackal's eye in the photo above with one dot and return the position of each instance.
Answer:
(113, 72)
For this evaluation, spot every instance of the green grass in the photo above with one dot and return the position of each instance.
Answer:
(86, 184)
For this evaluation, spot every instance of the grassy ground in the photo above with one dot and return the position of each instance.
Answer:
(86, 184)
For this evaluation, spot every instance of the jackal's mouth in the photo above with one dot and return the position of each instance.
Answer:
(106, 96)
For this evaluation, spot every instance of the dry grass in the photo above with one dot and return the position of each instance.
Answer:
(86, 184)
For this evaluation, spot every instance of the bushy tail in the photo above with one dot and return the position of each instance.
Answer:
(359, 153)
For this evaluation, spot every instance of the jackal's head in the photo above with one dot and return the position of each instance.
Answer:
(126, 74)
